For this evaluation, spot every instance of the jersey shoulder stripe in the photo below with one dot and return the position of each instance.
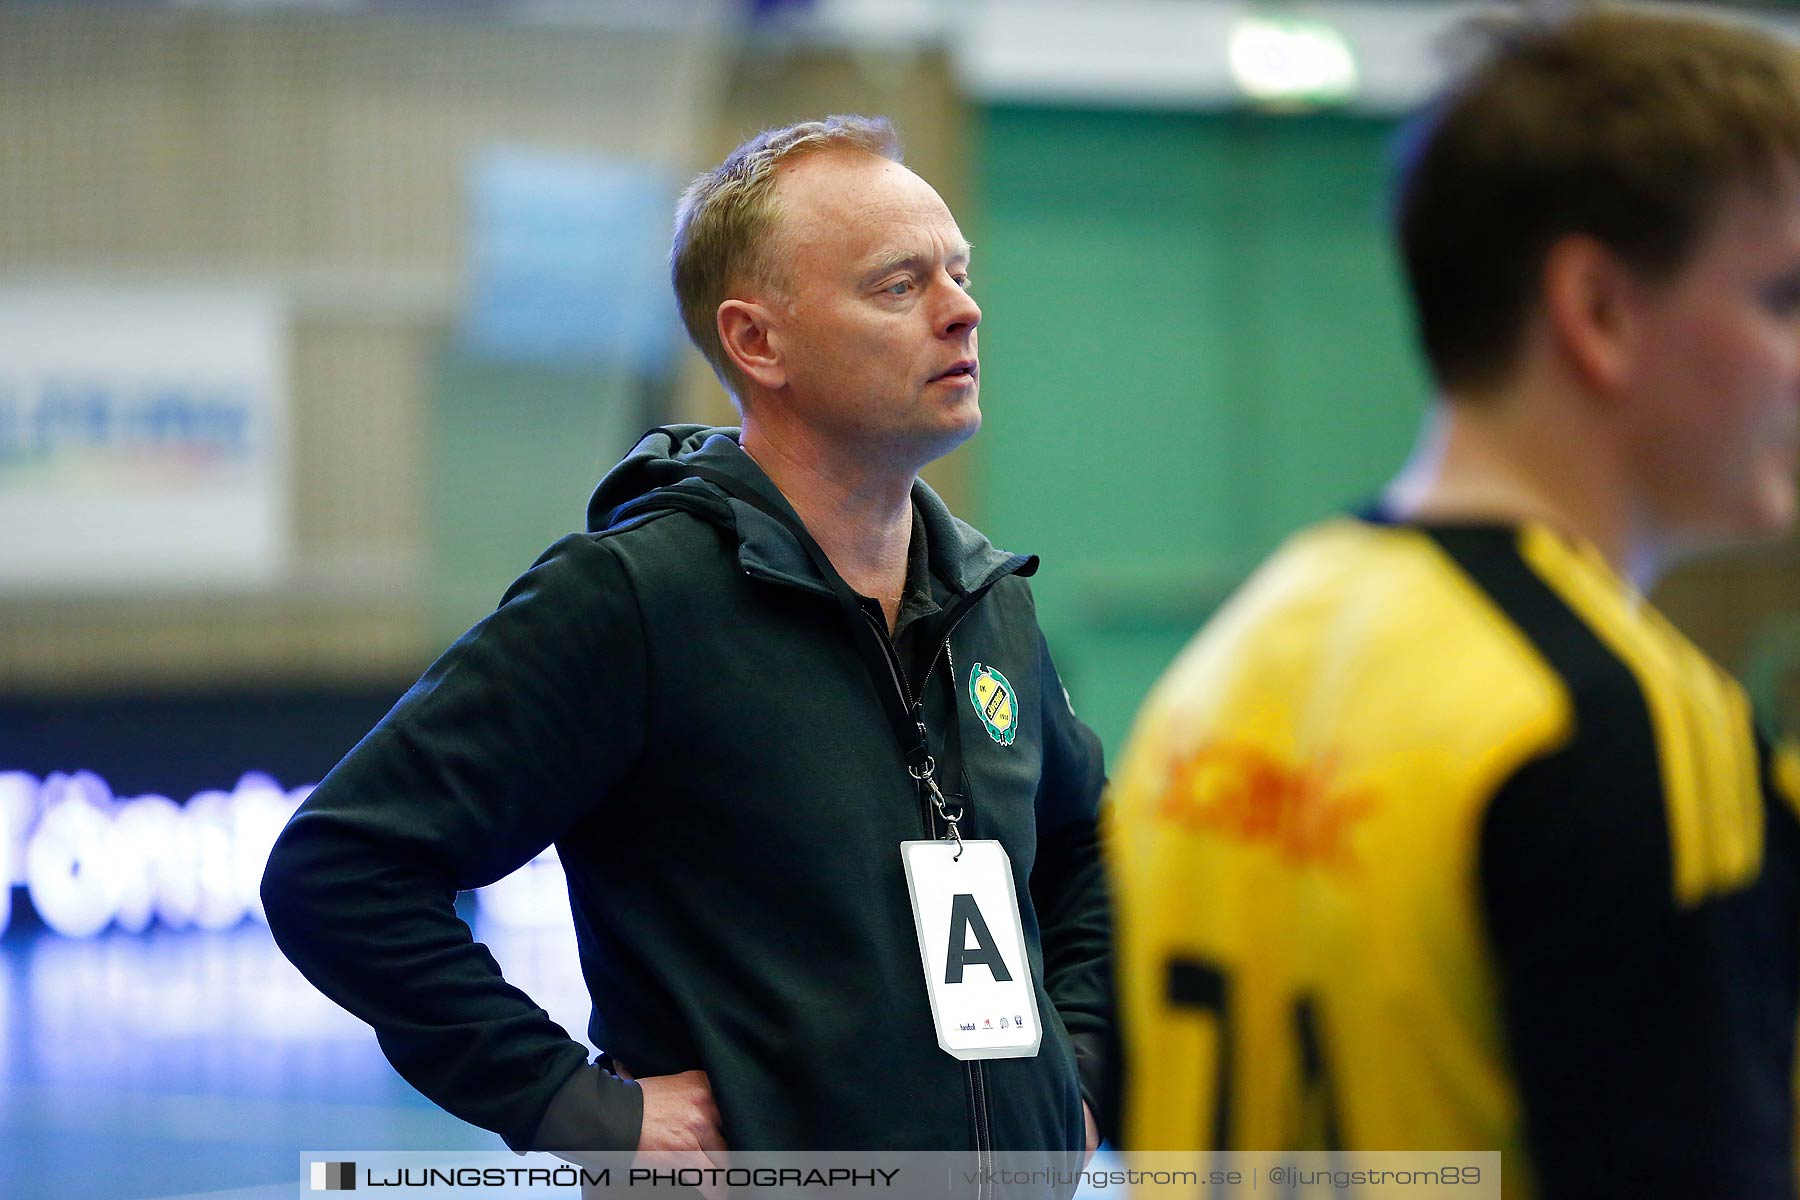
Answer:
(1653, 715)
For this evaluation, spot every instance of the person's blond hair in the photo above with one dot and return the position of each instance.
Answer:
(726, 219)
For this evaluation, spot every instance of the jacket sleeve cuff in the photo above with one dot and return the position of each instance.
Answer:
(593, 1110)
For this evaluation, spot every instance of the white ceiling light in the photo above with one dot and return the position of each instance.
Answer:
(1291, 60)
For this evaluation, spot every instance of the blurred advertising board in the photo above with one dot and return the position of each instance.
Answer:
(568, 261)
(143, 437)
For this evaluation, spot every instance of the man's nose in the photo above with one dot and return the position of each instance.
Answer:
(961, 314)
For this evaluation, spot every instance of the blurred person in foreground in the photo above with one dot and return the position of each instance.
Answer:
(1439, 836)
(775, 657)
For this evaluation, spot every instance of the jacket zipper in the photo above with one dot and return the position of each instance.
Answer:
(984, 1138)
(977, 1073)
(973, 1072)
(961, 612)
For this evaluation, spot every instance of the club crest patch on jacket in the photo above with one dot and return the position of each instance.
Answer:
(995, 702)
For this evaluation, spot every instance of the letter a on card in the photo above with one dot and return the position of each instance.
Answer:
(972, 946)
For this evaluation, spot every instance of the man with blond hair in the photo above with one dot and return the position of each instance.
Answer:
(1440, 837)
(775, 660)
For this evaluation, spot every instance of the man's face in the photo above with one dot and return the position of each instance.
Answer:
(875, 323)
(1715, 413)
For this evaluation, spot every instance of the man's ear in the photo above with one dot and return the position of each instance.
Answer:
(751, 343)
(1590, 302)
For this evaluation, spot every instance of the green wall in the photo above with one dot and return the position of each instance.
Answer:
(1194, 341)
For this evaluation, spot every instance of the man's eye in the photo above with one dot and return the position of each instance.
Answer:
(899, 287)
(964, 282)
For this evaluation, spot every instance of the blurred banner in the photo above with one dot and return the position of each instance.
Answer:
(89, 861)
(143, 438)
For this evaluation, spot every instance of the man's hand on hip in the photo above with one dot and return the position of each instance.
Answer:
(681, 1119)
(679, 1114)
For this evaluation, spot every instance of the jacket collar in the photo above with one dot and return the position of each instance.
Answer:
(961, 558)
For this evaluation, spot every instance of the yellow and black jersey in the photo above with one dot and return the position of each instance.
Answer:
(1440, 837)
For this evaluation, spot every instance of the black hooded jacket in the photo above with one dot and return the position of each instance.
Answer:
(676, 701)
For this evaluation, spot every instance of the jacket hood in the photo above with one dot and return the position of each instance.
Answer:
(657, 476)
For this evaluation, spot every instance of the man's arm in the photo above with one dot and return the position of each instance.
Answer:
(1069, 892)
(513, 736)
(1643, 1032)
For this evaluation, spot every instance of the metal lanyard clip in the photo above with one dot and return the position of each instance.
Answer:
(926, 774)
